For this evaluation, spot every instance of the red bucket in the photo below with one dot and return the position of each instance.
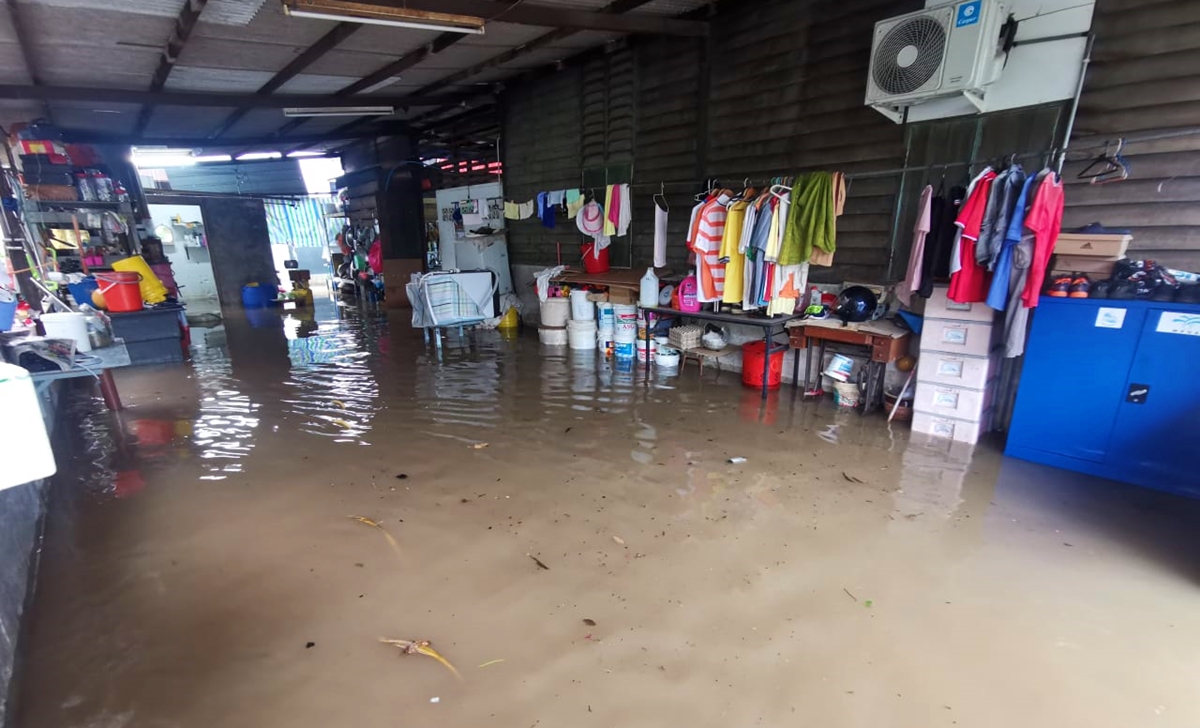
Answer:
(594, 262)
(752, 366)
(121, 291)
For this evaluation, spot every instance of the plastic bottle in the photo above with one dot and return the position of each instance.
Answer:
(649, 290)
(689, 301)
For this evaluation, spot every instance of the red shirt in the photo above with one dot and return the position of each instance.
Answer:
(1044, 221)
(970, 284)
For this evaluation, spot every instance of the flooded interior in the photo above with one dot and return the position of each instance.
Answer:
(200, 568)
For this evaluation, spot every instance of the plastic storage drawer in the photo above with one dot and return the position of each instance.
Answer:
(147, 325)
(940, 307)
(954, 337)
(956, 371)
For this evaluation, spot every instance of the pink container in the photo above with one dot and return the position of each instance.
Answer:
(689, 301)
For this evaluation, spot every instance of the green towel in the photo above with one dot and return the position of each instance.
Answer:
(811, 222)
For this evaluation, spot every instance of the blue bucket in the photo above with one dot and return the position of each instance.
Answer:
(81, 292)
(256, 296)
(8, 313)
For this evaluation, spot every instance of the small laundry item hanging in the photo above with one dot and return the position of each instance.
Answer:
(660, 234)
(574, 200)
(525, 210)
(625, 211)
(545, 210)
(511, 211)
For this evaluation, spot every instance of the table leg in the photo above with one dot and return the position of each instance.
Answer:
(108, 388)
(808, 347)
(795, 370)
(766, 360)
(820, 363)
(646, 323)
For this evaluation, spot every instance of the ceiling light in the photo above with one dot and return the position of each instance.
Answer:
(252, 156)
(352, 12)
(302, 154)
(339, 111)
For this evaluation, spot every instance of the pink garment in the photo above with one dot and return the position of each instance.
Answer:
(614, 207)
(912, 279)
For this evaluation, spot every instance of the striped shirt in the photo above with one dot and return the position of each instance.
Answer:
(707, 233)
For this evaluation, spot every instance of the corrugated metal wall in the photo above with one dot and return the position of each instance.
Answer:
(779, 89)
(1143, 80)
(268, 177)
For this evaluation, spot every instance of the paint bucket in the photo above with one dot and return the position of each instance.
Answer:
(555, 312)
(845, 395)
(605, 317)
(552, 336)
(667, 358)
(581, 334)
(840, 368)
(604, 341)
(68, 326)
(120, 290)
(625, 333)
(581, 308)
(643, 346)
(255, 296)
(625, 313)
(623, 349)
(152, 289)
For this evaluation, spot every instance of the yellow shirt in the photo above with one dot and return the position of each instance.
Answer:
(735, 219)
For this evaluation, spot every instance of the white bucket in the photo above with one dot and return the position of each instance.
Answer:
(625, 312)
(667, 358)
(840, 368)
(641, 349)
(604, 341)
(625, 333)
(552, 337)
(605, 315)
(555, 312)
(581, 308)
(623, 350)
(68, 326)
(582, 334)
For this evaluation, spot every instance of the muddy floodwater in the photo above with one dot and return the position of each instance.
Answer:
(200, 569)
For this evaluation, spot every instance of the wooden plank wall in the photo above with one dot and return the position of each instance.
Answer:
(1143, 80)
(541, 151)
(778, 89)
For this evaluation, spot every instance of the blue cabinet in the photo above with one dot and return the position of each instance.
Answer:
(1112, 388)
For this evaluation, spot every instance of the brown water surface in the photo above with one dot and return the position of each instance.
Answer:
(200, 569)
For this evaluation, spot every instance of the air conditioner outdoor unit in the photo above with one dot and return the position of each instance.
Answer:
(949, 50)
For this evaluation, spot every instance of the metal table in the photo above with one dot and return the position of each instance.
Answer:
(768, 325)
(97, 363)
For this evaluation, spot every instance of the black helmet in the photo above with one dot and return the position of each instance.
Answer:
(855, 304)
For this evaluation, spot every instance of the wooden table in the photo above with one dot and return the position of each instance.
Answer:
(885, 342)
(768, 325)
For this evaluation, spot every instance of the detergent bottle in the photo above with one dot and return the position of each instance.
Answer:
(648, 297)
(689, 301)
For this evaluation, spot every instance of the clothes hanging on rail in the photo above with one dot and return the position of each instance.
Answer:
(706, 244)
(734, 287)
(916, 255)
(525, 210)
(511, 211)
(1000, 292)
(943, 210)
(611, 202)
(1044, 220)
(660, 235)
(812, 221)
(1016, 315)
(969, 283)
(1005, 189)
(625, 212)
(545, 210)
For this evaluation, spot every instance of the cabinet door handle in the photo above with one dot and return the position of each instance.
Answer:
(1137, 393)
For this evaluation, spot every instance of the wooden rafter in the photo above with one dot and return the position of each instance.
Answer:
(185, 23)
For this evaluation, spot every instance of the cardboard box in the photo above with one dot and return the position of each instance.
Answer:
(1095, 267)
(1096, 246)
(396, 274)
(623, 296)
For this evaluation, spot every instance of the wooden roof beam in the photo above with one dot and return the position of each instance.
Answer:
(553, 16)
(180, 33)
(209, 99)
(309, 56)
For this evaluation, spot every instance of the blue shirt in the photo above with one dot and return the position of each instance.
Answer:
(997, 296)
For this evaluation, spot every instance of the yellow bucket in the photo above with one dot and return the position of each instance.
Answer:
(153, 291)
(509, 320)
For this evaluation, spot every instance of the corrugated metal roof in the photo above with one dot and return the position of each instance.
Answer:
(225, 12)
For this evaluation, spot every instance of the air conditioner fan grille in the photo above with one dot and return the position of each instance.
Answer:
(909, 55)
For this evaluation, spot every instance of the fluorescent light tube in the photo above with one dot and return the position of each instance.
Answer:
(251, 156)
(339, 111)
(418, 25)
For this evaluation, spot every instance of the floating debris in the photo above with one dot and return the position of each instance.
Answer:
(849, 594)
(339, 403)
(851, 478)
(435, 699)
(343, 424)
(538, 561)
(590, 622)
(492, 662)
(421, 647)
(479, 446)
(619, 541)
(736, 460)
(368, 522)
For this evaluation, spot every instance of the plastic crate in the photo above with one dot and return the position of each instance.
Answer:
(147, 325)
(685, 337)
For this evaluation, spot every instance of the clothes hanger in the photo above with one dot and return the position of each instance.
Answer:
(660, 199)
(1115, 167)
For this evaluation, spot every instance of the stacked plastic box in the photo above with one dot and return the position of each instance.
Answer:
(957, 369)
